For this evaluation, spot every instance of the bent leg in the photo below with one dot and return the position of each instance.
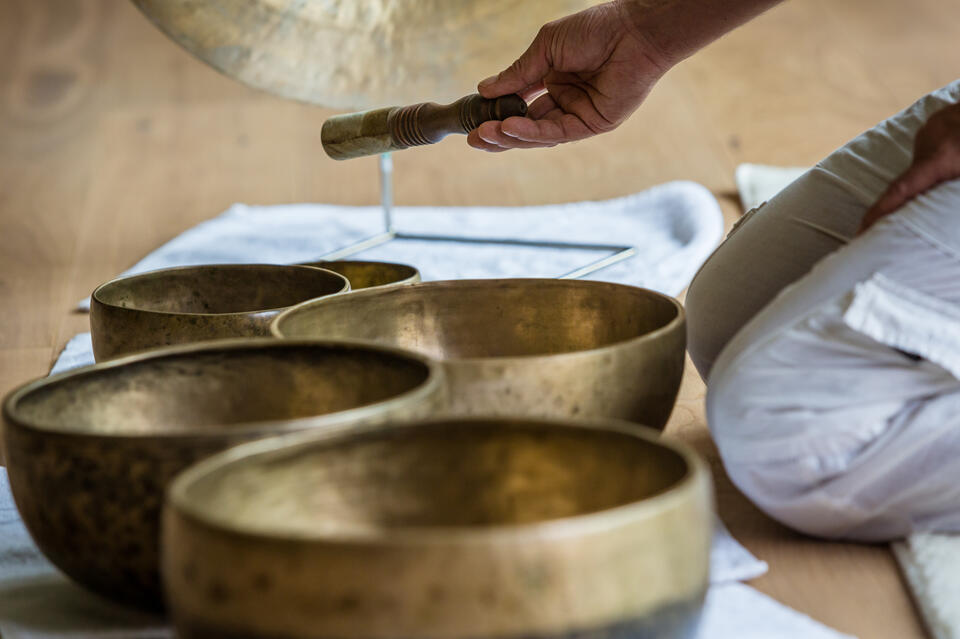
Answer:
(837, 408)
(778, 243)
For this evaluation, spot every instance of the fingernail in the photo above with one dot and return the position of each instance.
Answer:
(487, 81)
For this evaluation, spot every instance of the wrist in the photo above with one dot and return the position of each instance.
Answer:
(672, 30)
(644, 21)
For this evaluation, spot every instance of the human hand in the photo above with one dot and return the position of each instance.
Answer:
(582, 75)
(936, 159)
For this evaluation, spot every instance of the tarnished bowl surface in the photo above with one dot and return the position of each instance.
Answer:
(543, 347)
(446, 529)
(198, 303)
(90, 451)
(367, 274)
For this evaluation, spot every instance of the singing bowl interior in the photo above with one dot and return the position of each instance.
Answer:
(504, 527)
(89, 452)
(197, 303)
(363, 275)
(468, 319)
(550, 348)
(220, 288)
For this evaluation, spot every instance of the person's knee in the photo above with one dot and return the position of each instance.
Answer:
(780, 455)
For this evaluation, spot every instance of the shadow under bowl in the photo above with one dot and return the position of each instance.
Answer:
(364, 275)
(198, 303)
(90, 451)
(541, 347)
(452, 528)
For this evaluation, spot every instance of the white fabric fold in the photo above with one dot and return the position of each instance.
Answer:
(907, 319)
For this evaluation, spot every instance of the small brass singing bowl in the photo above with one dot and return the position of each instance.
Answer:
(542, 347)
(460, 528)
(198, 303)
(364, 275)
(90, 451)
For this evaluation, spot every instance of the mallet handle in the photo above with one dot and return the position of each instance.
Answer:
(394, 128)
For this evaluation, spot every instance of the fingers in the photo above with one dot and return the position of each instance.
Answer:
(490, 136)
(541, 107)
(477, 142)
(526, 73)
(554, 128)
(917, 179)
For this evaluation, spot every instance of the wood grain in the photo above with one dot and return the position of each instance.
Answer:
(113, 140)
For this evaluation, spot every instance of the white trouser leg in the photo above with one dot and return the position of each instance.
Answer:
(835, 401)
(837, 409)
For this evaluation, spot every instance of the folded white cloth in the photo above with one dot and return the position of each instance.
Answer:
(931, 565)
(675, 226)
(757, 183)
(735, 611)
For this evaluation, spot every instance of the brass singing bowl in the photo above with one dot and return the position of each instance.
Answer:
(544, 347)
(90, 451)
(198, 303)
(448, 529)
(363, 274)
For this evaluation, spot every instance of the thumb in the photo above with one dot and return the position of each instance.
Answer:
(528, 71)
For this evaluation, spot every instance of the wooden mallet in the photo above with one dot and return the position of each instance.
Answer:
(355, 135)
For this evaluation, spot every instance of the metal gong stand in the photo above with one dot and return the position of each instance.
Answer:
(615, 253)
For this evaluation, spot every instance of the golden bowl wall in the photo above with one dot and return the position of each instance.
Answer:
(90, 451)
(366, 274)
(446, 529)
(543, 347)
(199, 303)
(353, 54)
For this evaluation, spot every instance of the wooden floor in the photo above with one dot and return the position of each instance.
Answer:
(112, 141)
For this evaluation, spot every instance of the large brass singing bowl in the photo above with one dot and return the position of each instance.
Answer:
(558, 348)
(199, 303)
(449, 529)
(363, 274)
(357, 53)
(90, 451)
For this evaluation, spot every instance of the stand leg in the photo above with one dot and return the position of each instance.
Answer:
(386, 191)
(617, 253)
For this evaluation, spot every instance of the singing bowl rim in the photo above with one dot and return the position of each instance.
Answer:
(405, 536)
(433, 384)
(95, 296)
(412, 278)
(678, 321)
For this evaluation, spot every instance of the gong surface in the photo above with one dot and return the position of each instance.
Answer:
(355, 54)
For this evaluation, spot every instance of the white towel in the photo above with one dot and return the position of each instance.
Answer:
(675, 226)
(931, 564)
